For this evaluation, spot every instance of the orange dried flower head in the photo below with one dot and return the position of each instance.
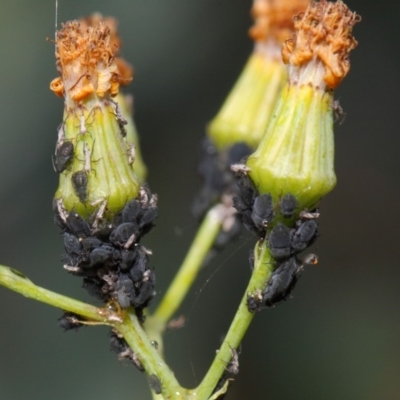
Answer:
(125, 70)
(323, 34)
(274, 18)
(96, 19)
(86, 61)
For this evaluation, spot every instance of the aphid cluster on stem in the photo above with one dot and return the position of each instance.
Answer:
(108, 254)
(287, 230)
(219, 185)
(119, 346)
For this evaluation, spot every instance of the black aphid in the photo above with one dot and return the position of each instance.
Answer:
(218, 180)
(90, 243)
(127, 259)
(144, 291)
(131, 211)
(255, 301)
(69, 321)
(139, 265)
(304, 236)
(262, 213)
(104, 231)
(119, 346)
(238, 153)
(80, 183)
(72, 245)
(101, 255)
(63, 156)
(279, 242)
(94, 288)
(282, 282)
(248, 192)
(125, 234)
(146, 218)
(155, 383)
(240, 205)
(248, 223)
(288, 205)
(78, 225)
(124, 288)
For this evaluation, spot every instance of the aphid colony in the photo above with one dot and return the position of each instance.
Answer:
(287, 231)
(104, 249)
(108, 254)
(119, 346)
(219, 185)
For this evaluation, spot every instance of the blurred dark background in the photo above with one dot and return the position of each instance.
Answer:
(339, 338)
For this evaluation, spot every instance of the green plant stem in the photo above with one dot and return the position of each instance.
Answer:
(201, 245)
(16, 281)
(151, 360)
(128, 325)
(191, 266)
(125, 323)
(263, 267)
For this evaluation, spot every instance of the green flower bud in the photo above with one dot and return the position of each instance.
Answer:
(245, 113)
(296, 155)
(101, 168)
(247, 109)
(125, 102)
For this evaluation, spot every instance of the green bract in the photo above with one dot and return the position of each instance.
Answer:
(245, 113)
(296, 155)
(102, 154)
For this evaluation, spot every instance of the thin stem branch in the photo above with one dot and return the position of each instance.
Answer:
(124, 322)
(202, 243)
(16, 281)
(151, 360)
(263, 267)
(129, 326)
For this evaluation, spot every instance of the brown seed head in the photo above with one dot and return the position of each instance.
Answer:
(323, 33)
(86, 62)
(125, 70)
(274, 18)
(96, 19)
